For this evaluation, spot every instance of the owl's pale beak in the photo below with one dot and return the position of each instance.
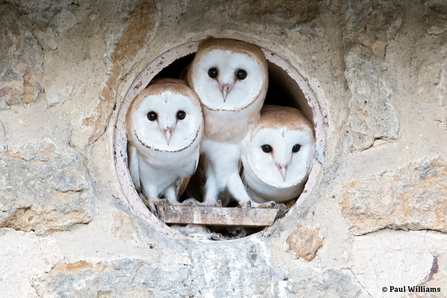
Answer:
(282, 170)
(225, 89)
(168, 133)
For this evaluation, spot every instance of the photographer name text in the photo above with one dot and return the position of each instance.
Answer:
(410, 289)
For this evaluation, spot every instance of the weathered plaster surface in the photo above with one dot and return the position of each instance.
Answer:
(375, 217)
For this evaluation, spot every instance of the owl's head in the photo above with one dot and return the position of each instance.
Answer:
(228, 75)
(280, 149)
(166, 116)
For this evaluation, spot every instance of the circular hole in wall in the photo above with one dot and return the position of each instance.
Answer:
(287, 87)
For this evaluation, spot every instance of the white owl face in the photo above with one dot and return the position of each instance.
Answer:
(280, 157)
(228, 75)
(280, 149)
(227, 81)
(167, 121)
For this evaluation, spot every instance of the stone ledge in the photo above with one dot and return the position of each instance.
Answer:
(253, 217)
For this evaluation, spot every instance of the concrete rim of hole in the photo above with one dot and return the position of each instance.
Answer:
(278, 66)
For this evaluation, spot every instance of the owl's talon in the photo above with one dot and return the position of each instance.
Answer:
(247, 204)
(152, 207)
(190, 202)
(281, 206)
(271, 204)
(217, 204)
(151, 203)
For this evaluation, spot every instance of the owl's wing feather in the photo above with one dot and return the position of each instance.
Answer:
(184, 73)
(134, 168)
(181, 187)
(198, 180)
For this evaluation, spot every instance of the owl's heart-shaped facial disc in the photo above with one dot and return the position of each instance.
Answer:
(277, 154)
(228, 75)
(166, 116)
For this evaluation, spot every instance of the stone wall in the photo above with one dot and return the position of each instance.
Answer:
(376, 216)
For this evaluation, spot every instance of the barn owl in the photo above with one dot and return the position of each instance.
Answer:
(277, 155)
(230, 78)
(164, 127)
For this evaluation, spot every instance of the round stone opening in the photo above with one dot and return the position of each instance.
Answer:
(287, 87)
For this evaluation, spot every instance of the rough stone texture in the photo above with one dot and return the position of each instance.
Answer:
(284, 13)
(380, 20)
(65, 67)
(62, 22)
(131, 41)
(3, 146)
(222, 269)
(379, 48)
(305, 243)
(44, 188)
(435, 30)
(23, 257)
(212, 215)
(42, 13)
(402, 259)
(329, 283)
(398, 199)
(21, 61)
(372, 115)
(371, 112)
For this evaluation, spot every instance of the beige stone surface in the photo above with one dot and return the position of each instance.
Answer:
(21, 66)
(217, 216)
(44, 188)
(379, 48)
(305, 243)
(24, 257)
(283, 13)
(410, 198)
(142, 20)
(378, 69)
(372, 115)
(3, 146)
(400, 260)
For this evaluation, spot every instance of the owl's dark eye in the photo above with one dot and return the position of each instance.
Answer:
(152, 116)
(241, 74)
(266, 148)
(296, 148)
(212, 72)
(181, 115)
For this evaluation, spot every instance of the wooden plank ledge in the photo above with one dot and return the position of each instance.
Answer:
(253, 217)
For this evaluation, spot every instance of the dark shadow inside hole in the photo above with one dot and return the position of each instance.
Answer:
(279, 93)
(175, 69)
(226, 233)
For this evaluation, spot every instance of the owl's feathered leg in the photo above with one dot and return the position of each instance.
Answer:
(150, 192)
(171, 195)
(237, 189)
(211, 188)
(134, 166)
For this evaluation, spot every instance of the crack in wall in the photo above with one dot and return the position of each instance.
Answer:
(356, 279)
(390, 228)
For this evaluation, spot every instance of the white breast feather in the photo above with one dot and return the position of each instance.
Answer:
(156, 167)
